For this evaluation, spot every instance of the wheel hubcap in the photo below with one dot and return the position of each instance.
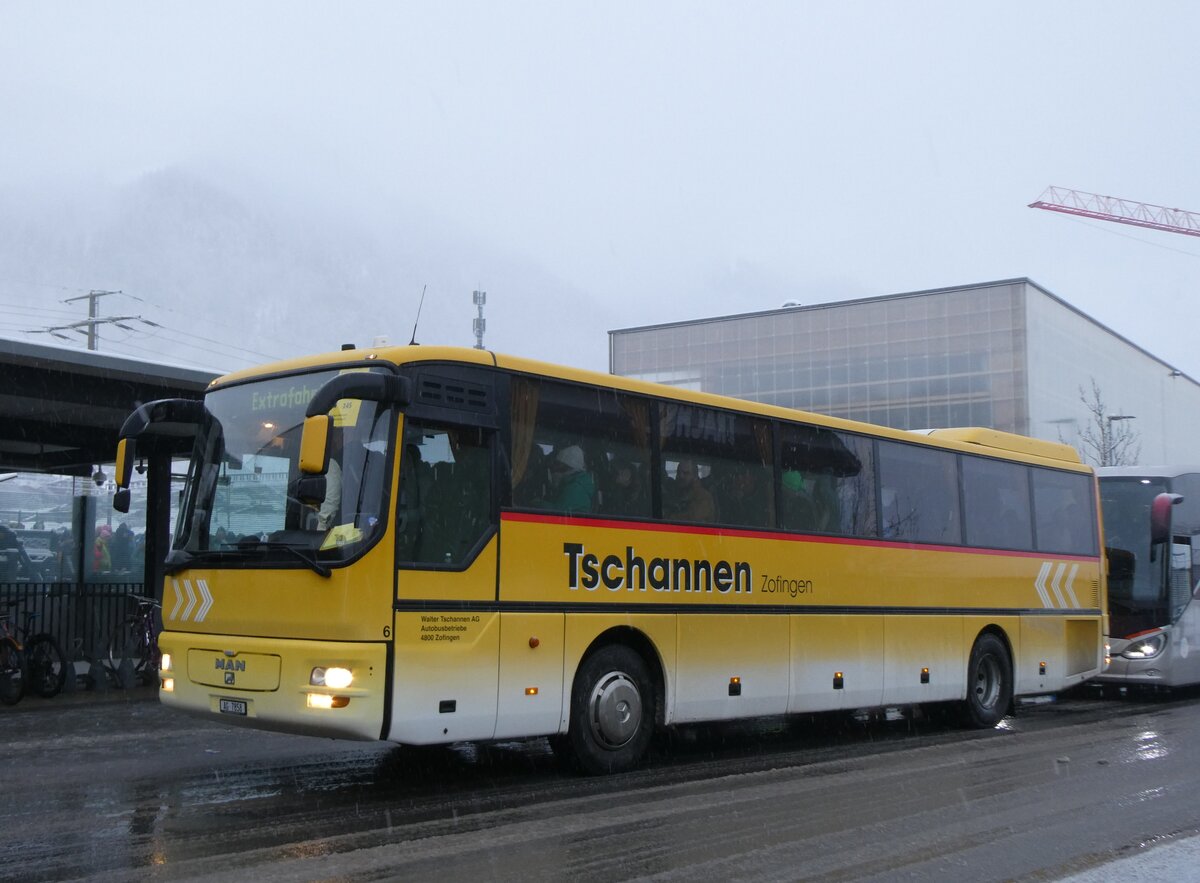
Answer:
(616, 709)
(987, 682)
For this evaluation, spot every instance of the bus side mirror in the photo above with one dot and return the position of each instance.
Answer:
(125, 449)
(125, 455)
(162, 417)
(1160, 517)
(386, 388)
(314, 445)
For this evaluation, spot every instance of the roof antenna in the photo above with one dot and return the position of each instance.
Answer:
(420, 304)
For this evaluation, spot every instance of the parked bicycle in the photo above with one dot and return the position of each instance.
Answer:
(45, 663)
(136, 640)
(12, 660)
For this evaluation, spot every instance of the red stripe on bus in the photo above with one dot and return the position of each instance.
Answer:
(700, 530)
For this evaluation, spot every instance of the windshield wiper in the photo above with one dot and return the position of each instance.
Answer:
(310, 561)
(179, 559)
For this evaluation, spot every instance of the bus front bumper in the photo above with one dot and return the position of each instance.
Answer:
(287, 685)
(1133, 672)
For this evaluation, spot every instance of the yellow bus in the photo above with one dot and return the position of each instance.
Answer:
(434, 545)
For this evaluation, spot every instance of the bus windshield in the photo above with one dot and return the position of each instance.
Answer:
(240, 501)
(1135, 582)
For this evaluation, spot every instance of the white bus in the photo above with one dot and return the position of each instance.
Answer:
(1152, 537)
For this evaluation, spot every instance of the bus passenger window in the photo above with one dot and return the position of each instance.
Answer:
(996, 497)
(1065, 517)
(827, 482)
(445, 493)
(919, 488)
(579, 450)
(715, 466)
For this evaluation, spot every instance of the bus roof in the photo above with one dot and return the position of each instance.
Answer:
(1008, 441)
(969, 439)
(1146, 471)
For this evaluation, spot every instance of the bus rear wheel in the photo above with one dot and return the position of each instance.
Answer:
(989, 683)
(612, 711)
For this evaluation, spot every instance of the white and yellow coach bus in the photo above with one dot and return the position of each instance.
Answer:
(432, 545)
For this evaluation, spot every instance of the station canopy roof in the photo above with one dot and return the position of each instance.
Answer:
(61, 409)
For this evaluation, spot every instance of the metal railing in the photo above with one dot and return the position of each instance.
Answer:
(80, 616)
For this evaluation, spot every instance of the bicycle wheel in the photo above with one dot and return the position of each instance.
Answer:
(47, 666)
(152, 657)
(145, 666)
(125, 643)
(12, 672)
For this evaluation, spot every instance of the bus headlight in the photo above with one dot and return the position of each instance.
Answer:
(334, 677)
(165, 662)
(1147, 647)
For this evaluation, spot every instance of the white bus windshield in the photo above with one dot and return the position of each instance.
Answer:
(1135, 582)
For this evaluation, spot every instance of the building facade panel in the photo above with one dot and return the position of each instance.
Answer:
(1007, 355)
(1068, 351)
(917, 361)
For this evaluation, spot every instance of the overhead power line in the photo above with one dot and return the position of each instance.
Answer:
(90, 326)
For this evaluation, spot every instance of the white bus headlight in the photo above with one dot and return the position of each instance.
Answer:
(334, 677)
(1147, 647)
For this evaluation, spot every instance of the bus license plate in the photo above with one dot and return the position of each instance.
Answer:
(232, 706)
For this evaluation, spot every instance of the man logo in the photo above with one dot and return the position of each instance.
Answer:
(229, 678)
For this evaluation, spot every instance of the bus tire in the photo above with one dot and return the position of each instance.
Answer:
(612, 711)
(989, 683)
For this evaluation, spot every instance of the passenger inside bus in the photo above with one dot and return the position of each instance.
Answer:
(741, 498)
(573, 489)
(689, 499)
(624, 493)
(329, 513)
(534, 485)
(800, 505)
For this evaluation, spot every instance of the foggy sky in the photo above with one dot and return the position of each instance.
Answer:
(592, 166)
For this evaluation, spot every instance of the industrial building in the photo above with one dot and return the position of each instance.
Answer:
(1009, 355)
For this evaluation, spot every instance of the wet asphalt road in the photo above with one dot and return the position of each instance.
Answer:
(123, 790)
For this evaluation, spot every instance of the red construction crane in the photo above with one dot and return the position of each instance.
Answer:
(1123, 211)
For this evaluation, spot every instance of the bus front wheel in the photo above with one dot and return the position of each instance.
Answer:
(612, 711)
(989, 683)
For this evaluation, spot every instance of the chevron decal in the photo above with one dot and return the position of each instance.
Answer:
(200, 595)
